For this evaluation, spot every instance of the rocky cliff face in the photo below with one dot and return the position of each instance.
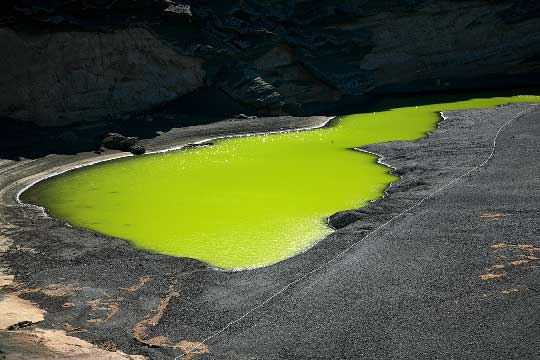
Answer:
(72, 61)
(65, 77)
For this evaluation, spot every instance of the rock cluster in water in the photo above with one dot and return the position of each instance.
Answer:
(103, 58)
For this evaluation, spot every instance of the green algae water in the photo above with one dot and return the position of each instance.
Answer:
(244, 202)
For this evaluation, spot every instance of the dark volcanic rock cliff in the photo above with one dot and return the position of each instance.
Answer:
(67, 61)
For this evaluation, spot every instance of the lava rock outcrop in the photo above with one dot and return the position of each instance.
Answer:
(116, 141)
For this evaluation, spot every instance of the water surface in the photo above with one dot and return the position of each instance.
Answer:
(245, 202)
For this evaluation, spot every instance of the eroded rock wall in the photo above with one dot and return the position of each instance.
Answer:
(70, 63)
(66, 77)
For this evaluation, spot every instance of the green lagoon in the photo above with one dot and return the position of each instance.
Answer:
(244, 202)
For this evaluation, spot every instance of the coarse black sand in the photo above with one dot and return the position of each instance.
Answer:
(456, 277)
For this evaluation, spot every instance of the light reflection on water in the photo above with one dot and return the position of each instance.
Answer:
(246, 201)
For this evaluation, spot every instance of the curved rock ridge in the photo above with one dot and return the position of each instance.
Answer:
(83, 61)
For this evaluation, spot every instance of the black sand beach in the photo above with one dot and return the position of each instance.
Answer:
(456, 277)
